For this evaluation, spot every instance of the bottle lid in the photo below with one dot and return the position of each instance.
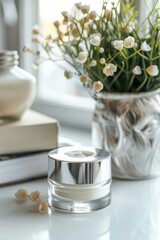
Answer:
(79, 165)
(8, 58)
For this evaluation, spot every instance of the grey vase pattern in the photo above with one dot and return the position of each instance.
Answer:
(128, 125)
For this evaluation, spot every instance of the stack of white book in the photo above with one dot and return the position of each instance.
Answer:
(24, 146)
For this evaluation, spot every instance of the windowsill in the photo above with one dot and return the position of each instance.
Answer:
(78, 136)
(75, 121)
(69, 113)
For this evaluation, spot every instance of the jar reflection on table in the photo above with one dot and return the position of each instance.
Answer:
(94, 225)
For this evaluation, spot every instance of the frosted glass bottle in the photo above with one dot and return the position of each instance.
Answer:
(17, 87)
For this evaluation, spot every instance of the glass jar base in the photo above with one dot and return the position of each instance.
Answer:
(58, 204)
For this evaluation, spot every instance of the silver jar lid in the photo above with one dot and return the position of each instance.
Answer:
(79, 165)
(8, 58)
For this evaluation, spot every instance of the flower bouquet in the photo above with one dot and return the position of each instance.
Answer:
(109, 51)
(117, 59)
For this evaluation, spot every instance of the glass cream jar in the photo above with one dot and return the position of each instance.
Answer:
(79, 179)
(17, 87)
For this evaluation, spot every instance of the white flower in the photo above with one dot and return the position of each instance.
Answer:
(75, 32)
(110, 26)
(109, 15)
(97, 86)
(95, 40)
(94, 26)
(129, 28)
(35, 196)
(101, 50)
(109, 69)
(152, 70)
(69, 49)
(78, 5)
(56, 23)
(118, 44)
(35, 29)
(21, 194)
(67, 16)
(43, 207)
(84, 79)
(92, 15)
(27, 48)
(145, 47)
(137, 70)
(129, 42)
(36, 39)
(85, 8)
(68, 74)
(144, 32)
(82, 57)
(93, 63)
(102, 61)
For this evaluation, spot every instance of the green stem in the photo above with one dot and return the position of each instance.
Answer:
(156, 87)
(143, 56)
(148, 83)
(134, 62)
(142, 84)
(158, 57)
(110, 59)
(125, 57)
(127, 71)
(73, 65)
(145, 79)
(117, 76)
(98, 77)
(140, 54)
(152, 44)
(131, 82)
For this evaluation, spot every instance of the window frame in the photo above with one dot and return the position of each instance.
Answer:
(28, 16)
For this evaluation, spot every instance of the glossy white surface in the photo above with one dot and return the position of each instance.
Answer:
(134, 214)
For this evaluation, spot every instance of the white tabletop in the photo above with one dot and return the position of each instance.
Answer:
(134, 214)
